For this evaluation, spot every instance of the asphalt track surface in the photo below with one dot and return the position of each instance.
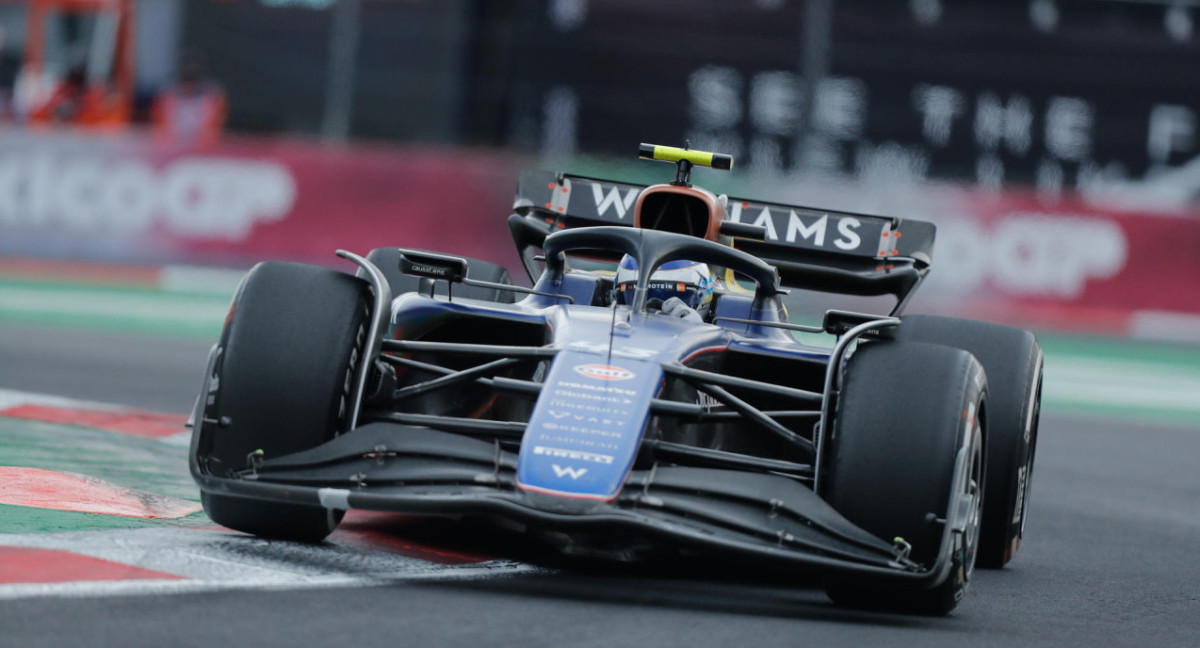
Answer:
(1112, 557)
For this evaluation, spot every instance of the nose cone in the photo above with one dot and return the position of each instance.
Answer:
(586, 430)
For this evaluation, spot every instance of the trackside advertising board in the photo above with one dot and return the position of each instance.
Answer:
(129, 200)
(1007, 257)
(1013, 258)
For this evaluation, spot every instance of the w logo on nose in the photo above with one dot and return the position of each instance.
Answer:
(573, 473)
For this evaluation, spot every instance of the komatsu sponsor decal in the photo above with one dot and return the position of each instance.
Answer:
(587, 425)
(604, 372)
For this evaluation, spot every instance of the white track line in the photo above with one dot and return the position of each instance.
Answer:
(1101, 382)
(86, 589)
(209, 560)
(14, 398)
(83, 302)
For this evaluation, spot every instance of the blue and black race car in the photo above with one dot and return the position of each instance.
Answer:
(649, 390)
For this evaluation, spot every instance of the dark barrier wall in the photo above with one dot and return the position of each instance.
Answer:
(1057, 95)
(273, 58)
(1053, 94)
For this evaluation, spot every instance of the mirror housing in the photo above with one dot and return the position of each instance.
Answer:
(434, 266)
(838, 322)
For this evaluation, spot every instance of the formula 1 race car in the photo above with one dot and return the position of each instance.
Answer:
(648, 394)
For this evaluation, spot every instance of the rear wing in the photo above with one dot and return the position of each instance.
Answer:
(812, 248)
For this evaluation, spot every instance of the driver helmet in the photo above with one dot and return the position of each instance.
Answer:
(691, 282)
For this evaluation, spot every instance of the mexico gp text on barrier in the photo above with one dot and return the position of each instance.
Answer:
(128, 200)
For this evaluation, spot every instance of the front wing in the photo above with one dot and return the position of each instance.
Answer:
(752, 516)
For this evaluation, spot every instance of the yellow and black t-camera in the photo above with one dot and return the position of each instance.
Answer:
(697, 158)
(685, 159)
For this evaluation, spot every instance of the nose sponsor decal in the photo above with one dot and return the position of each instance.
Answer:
(573, 454)
(587, 425)
(604, 372)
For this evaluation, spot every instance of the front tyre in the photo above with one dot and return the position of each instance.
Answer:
(288, 356)
(907, 457)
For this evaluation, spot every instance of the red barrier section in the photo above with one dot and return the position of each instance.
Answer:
(25, 565)
(1006, 257)
(248, 199)
(1014, 259)
(150, 425)
(63, 491)
(374, 198)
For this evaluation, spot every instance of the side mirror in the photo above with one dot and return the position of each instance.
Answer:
(838, 322)
(434, 266)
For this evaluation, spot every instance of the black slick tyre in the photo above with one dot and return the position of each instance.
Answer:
(905, 412)
(284, 376)
(388, 262)
(1012, 359)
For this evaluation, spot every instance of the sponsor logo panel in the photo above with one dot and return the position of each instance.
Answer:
(563, 453)
(589, 418)
(604, 372)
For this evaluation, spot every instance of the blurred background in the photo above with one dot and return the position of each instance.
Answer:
(164, 146)
(153, 150)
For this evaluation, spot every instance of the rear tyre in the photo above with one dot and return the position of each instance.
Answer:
(1012, 359)
(288, 356)
(905, 412)
(388, 262)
